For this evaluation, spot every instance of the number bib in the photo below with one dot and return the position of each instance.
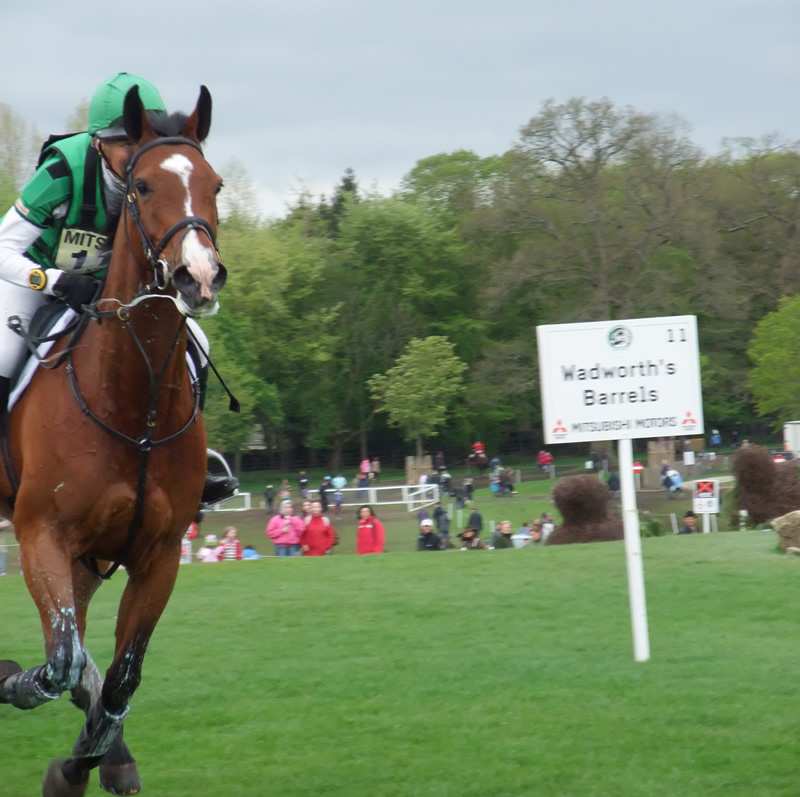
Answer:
(82, 251)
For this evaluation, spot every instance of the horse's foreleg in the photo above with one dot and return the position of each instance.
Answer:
(118, 773)
(47, 570)
(143, 602)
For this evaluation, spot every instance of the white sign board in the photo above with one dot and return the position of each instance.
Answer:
(706, 497)
(618, 380)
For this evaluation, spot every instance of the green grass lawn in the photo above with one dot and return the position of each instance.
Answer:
(477, 674)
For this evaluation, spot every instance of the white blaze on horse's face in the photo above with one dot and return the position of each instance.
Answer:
(199, 259)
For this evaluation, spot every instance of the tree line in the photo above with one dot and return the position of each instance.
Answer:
(596, 212)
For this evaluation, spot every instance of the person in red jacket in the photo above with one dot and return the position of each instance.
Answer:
(318, 537)
(544, 459)
(371, 536)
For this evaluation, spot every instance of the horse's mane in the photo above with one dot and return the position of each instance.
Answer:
(164, 125)
(167, 124)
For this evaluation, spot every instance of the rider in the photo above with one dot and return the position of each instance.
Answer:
(53, 241)
(478, 448)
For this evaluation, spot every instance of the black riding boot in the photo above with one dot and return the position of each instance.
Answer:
(218, 488)
(5, 390)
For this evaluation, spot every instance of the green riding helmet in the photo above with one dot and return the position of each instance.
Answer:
(107, 103)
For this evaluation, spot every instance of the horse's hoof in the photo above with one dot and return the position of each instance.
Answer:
(120, 778)
(56, 785)
(7, 668)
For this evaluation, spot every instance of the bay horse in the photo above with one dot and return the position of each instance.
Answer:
(110, 451)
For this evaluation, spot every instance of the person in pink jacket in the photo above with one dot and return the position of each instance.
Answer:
(285, 530)
(371, 536)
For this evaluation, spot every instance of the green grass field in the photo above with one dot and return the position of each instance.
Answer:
(480, 673)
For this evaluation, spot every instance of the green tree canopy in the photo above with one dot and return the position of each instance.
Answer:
(775, 379)
(454, 183)
(418, 390)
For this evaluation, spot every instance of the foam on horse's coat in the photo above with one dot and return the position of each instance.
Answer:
(199, 259)
(65, 666)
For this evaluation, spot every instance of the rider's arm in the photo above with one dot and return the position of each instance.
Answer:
(16, 235)
(44, 202)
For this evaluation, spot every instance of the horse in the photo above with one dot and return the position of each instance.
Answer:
(110, 451)
(477, 462)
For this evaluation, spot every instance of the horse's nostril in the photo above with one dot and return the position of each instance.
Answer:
(219, 280)
(183, 279)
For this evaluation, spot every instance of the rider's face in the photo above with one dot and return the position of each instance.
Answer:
(117, 154)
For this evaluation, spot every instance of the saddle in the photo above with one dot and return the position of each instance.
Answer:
(50, 322)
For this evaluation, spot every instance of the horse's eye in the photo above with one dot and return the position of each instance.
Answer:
(142, 188)
(219, 188)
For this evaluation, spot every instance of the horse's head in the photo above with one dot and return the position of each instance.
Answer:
(171, 198)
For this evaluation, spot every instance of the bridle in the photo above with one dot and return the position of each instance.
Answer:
(152, 252)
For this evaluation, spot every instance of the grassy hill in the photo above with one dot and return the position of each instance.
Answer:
(462, 673)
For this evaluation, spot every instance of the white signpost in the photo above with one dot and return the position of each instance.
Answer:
(705, 500)
(620, 380)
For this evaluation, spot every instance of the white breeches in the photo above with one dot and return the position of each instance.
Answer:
(201, 336)
(23, 302)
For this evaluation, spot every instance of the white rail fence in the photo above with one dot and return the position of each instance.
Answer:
(413, 496)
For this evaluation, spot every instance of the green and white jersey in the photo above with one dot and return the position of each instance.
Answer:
(69, 238)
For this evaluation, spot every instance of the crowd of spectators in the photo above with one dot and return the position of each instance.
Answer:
(431, 538)
(310, 531)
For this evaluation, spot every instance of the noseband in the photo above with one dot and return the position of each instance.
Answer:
(151, 251)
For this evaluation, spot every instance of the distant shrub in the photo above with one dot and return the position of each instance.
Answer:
(583, 503)
(651, 527)
(764, 489)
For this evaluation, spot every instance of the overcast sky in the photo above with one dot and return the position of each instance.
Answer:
(304, 89)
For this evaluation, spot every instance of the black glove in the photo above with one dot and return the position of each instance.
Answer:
(75, 289)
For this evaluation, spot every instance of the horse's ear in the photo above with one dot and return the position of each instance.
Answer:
(199, 123)
(134, 118)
